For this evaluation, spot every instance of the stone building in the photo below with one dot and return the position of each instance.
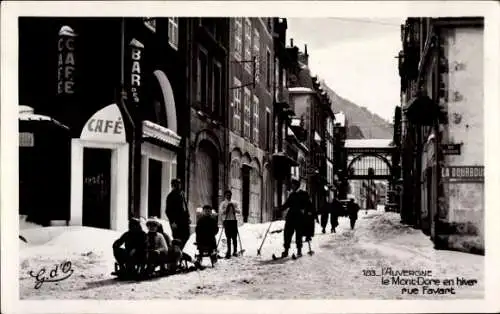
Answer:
(441, 69)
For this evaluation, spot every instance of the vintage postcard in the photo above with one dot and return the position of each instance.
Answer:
(309, 157)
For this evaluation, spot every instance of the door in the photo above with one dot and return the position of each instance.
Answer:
(245, 197)
(96, 188)
(154, 188)
(205, 181)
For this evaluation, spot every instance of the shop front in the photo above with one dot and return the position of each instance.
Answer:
(99, 172)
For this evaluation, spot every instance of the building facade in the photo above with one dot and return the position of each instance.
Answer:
(207, 84)
(113, 95)
(441, 69)
(250, 116)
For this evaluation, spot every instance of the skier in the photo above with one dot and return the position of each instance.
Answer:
(178, 214)
(132, 258)
(352, 210)
(228, 209)
(298, 203)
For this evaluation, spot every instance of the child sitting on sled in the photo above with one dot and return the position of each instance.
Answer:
(157, 248)
(206, 232)
(130, 259)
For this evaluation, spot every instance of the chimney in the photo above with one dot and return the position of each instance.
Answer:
(291, 42)
(304, 56)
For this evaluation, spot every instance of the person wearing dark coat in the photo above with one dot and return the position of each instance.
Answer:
(157, 248)
(178, 214)
(326, 211)
(298, 203)
(206, 232)
(336, 211)
(352, 211)
(133, 254)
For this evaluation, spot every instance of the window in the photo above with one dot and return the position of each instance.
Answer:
(268, 130)
(246, 114)
(236, 106)
(217, 88)
(276, 79)
(268, 69)
(173, 32)
(247, 45)
(202, 77)
(238, 34)
(256, 111)
(256, 53)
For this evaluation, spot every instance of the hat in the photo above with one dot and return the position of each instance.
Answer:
(176, 180)
(152, 222)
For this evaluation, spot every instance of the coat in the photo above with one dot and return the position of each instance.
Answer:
(176, 208)
(298, 203)
(206, 230)
(133, 240)
(156, 242)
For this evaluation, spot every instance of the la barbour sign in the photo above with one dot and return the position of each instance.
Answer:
(463, 173)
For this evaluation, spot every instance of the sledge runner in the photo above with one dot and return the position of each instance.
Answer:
(131, 259)
(178, 214)
(228, 209)
(206, 232)
(299, 204)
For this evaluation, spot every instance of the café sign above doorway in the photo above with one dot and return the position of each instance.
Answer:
(106, 125)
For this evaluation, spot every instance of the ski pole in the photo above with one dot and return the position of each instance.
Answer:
(265, 236)
(241, 246)
(222, 231)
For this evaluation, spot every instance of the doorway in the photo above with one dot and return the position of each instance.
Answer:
(96, 188)
(154, 188)
(245, 190)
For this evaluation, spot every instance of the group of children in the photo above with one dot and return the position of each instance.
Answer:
(138, 254)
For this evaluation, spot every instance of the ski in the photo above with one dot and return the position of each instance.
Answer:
(275, 258)
(294, 257)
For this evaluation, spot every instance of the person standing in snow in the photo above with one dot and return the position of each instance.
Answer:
(228, 209)
(326, 211)
(298, 202)
(336, 210)
(178, 214)
(134, 253)
(352, 211)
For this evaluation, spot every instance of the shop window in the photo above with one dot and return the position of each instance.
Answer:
(173, 32)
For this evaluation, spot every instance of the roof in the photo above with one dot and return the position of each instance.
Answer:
(369, 143)
(26, 113)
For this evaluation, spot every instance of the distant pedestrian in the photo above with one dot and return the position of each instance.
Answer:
(298, 202)
(352, 211)
(337, 209)
(228, 209)
(178, 213)
(326, 211)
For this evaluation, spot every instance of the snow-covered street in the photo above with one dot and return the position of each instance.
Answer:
(341, 267)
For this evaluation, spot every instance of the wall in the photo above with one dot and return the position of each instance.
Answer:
(464, 201)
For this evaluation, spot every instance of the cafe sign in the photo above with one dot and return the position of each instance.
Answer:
(106, 125)
(462, 174)
(66, 61)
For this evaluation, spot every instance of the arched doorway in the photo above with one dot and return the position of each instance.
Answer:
(255, 192)
(206, 175)
(245, 186)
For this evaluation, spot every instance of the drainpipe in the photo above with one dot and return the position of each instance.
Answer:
(123, 106)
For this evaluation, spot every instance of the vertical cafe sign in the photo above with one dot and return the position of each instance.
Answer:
(66, 61)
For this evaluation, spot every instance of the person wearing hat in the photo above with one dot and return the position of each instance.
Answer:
(352, 211)
(133, 254)
(177, 213)
(299, 204)
(157, 248)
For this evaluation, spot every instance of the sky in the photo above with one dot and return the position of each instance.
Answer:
(355, 57)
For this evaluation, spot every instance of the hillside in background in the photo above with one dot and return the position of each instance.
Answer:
(361, 122)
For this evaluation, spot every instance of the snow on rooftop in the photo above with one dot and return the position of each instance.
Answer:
(300, 90)
(369, 143)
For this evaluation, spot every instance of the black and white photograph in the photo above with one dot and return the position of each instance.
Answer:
(163, 152)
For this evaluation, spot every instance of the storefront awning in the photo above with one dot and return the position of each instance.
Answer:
(158, 132)
(27, 113)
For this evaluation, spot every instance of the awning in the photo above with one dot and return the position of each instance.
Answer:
(282, 157)
(27, 113)
(158, 132)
